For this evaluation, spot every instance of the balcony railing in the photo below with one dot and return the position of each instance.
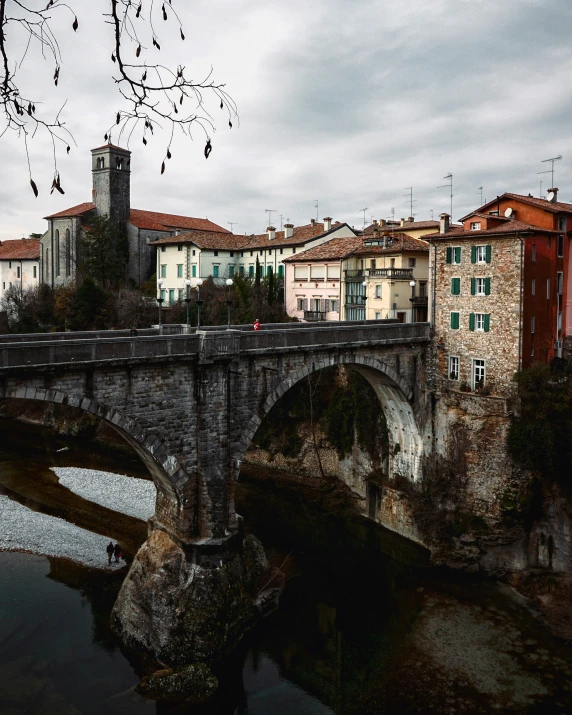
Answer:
(419, 300)
(311, 316)
(392, 274)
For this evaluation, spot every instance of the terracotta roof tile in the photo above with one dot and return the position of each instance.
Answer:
(556, 207)
(20, 249)
(333, 250)
(400, 242)
(509, 227)
(302, 234)
(412, 226)
(153, 221)
(204, 239)
(111, 146)
(73, 211)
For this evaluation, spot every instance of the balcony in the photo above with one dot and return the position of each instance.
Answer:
(419, 301)
(392, 274)
(313, 316)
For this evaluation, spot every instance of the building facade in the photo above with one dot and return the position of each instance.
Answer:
(19, 265)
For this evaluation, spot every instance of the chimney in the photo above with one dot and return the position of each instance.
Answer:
(410, 219)
(327, 223)
(402, 222)
(271, 233)
(313, 221)
(443, 223)
(554, 198)
(288, 230)
(376, 232)
(382, 222)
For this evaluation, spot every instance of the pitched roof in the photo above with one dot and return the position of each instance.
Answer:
(74, 211)
(153, 221)
(204, 239)
(512, 226)
(302, 234)
(551, 207)
(111, 146)
(333, 250)
(20, 249)
(400, 243)
(411, 225)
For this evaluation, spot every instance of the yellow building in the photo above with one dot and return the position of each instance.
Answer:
(387, 278)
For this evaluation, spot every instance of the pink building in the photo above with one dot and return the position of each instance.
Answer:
(312, 283)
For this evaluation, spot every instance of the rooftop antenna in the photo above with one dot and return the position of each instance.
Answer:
(392, 219)
(551, 170)
(540, 194)
(281, 224)
(316, 204)
(364, 210)
(270, 212)
(411, 202)
(449, 185)
(481, 190)
(431, 214)
(231, 224)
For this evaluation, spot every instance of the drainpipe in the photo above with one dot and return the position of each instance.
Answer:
(520, 316)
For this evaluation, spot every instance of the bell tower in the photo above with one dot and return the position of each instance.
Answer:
(111, 170)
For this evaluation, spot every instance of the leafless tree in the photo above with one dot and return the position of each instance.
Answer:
(154, 96)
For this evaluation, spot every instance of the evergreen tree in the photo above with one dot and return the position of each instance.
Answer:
(104, 252)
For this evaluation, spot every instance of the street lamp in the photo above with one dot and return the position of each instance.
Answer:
(229, 283)
(187, 301)
(364, 284)
(199, 302)
(160, 301)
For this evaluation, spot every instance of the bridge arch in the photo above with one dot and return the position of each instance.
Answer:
(395, 396)
(171, 481)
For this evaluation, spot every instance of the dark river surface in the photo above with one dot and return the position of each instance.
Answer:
(364, 627)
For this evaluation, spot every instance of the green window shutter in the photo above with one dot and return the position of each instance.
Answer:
(194, 271)
(487, 322)
(455, 286)
(473, 254)
(472, 321)
(215, 271)
(488, 254)
(179, 271)
(251, 271)
(449, 254)
(487, 286)
(455, 321)
(457, 255)
(473, 286)
(281, 271)
(230, 271)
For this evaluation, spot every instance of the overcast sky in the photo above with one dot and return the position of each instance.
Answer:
(347, 102)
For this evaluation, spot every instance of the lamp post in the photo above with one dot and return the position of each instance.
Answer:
(412, 284)
(199, 302)
(364, 284)
(160, 302)
(187, 301)
(229, 283)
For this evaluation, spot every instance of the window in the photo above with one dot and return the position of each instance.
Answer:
(294, 249)
(281, 251)
(334, 308)
(378, 316)
(35, 271)
(455, 286)
(534, 252)
(532, 322)
(216, 253)
(163, 249)
(422, 289)
(378, 290)
(533, 286)
(180, 294)
(163, 270)
(412, 262)
(455, 321)
(194, 252)
(453, 368)
(171, 296)
(9, 264)
(478, 373)
(372, 264)
(119, 162)
(251, 271)
(179, 270)
(232, 254)
(281, 271)
(301, 273)
(475, 225)
(68, 253)
(548, 288)
(562, 224)
(194, 270)
(261, 252)
(559, 282)
(479, 322)
(454, 254)
(317, 273)
(179, 248)
(480, 286)
(532, 351)
(241, 270)
(299, 303)
(162, 294)
(268, 270)
(242, 254)
(481, 254)
(269, 251)
(392, 261)
(230, 271)
(251, 253)
(57, 253)
(215, 271)
(560, 246)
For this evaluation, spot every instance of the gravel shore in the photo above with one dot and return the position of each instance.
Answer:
(22, 529)
(128, 495)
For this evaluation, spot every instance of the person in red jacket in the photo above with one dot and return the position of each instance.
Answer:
(256, 325)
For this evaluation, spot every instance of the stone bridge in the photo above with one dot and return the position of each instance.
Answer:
(190, 404)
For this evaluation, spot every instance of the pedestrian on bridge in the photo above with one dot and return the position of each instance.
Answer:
(109, 552)
(256, 325)
(117, 553)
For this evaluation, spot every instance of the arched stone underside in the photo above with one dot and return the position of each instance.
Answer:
(394, 394)
(169, 477)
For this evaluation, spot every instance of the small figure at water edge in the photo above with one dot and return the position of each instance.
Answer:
(117, 552)
(109, 552)
(256, 325)
(133, 332)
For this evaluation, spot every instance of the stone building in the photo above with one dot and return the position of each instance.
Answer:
(497, 290)
(111, 180)
(19, 264)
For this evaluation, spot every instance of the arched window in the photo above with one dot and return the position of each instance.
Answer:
(68, 253)
(119, 162)
(57, 253)
(47, 271)
(100, 164)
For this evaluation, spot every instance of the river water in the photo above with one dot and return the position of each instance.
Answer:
(364, 627)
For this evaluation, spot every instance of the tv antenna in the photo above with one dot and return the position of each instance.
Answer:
(281, 224)
(481, 190)
(270, 212)
(316, 204)
(450, 186)
(231, 224)
(411, 202)
(540, 194)
(431, 214)
(551, 170)
(364, 210)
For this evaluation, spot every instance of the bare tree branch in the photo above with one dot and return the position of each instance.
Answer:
(153, 93)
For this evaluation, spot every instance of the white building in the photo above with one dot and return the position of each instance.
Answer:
(19, 264)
